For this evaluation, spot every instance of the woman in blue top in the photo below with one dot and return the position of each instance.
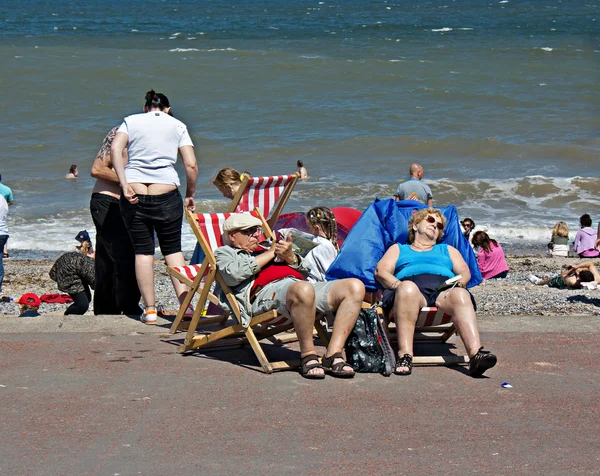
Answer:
(411, 275)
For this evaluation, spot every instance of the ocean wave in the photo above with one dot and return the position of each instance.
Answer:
(183, 50)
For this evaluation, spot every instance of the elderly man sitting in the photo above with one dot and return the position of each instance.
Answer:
(273, 278)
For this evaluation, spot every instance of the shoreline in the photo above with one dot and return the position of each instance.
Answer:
(512, 296)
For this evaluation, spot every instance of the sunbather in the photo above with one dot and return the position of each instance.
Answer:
(571, 277)
(411, 275)
(260, 282)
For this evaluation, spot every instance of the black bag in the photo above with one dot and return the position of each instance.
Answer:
(368, 348)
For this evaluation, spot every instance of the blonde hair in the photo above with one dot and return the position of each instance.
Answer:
(560, 229)
(419, 216)
(85, 248)
(227, 176)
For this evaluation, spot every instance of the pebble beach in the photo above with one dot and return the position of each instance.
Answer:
(514, 295)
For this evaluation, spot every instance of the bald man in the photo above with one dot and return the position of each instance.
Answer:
(414, 189)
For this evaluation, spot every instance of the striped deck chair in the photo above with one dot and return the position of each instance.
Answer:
(433, 326)
(268, 194)
(208, 228)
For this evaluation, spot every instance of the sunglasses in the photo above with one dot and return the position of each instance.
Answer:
(440, 225)
(250, 231)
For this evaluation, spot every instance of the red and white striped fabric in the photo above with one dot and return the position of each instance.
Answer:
(263, 193)
(191, 271)
(432, 316)
(211, 226)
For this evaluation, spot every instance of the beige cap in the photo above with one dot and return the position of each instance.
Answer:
(240, 221)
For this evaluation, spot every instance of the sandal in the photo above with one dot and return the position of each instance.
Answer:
(337, 370)
(405, 360)
(305, 367)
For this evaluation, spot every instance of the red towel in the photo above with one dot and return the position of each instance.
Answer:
(56, 298)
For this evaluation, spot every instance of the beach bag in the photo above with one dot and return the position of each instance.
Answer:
(368, 348)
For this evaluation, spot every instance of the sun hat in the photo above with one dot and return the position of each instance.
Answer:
(83, 236)
(30, 299)
(240, 221)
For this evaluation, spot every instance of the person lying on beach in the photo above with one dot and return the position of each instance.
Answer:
(74, 273)
(260, 283)
(413, 277)
(571, 277)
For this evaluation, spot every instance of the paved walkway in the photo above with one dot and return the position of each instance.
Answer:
(110, 396)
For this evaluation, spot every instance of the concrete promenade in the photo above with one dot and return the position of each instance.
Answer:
(111, 396)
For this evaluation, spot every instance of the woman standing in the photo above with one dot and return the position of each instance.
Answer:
(490, 258)
(150, 201)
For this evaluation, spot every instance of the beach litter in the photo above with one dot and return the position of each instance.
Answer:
(506, 385)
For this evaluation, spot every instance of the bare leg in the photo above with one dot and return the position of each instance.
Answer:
(300, 301)
(407, 305)
(144, 273)
(457, 303)
(345, 300)
(177, 259)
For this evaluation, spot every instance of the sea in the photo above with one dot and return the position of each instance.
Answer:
(498, 100)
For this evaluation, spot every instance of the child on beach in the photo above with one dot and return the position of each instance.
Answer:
(572, 277)
(321, 223)
(585, 239)
(29, 304)
(559, 243)
(491, 259)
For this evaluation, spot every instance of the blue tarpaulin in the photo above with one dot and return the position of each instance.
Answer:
(384, 223)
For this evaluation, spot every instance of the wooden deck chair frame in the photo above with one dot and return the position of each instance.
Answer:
(270, 209)
(432, 327)
(234, 334)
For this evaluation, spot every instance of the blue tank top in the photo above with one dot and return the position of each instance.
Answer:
(412, 263)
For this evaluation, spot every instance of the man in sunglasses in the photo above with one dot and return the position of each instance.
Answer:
(274, 278)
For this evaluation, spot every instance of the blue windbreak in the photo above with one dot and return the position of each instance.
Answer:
(384, 223)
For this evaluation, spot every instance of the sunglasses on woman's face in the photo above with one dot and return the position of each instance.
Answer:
(440, 225)
(250, 231)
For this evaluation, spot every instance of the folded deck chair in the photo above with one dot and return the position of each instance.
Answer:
(208, 228)
(382, 224)
(268, 194)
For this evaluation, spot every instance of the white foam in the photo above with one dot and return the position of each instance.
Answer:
(442, 29)
(183, 50)
(546, 48)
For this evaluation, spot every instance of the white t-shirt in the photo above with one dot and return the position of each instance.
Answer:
(3, 216)
(154, 140)
(320, 258)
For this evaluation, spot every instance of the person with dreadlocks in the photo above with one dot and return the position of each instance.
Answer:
(321, 223)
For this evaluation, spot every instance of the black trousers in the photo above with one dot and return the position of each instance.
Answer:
(81, 302)
(116, 289)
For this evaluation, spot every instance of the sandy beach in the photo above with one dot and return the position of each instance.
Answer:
(514, 295)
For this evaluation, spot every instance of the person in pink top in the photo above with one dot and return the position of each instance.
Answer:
(490, 258)
(585, 239)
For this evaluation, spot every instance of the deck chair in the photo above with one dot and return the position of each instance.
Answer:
(386, 222)
(208, 228)
(268, 194)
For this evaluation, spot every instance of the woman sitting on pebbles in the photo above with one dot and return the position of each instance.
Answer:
(412, 274)
(490, 259)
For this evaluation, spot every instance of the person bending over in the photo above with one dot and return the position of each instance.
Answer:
(150, 201)
(74, 273)
(260, 282)
(411, 275)
(571, 277)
